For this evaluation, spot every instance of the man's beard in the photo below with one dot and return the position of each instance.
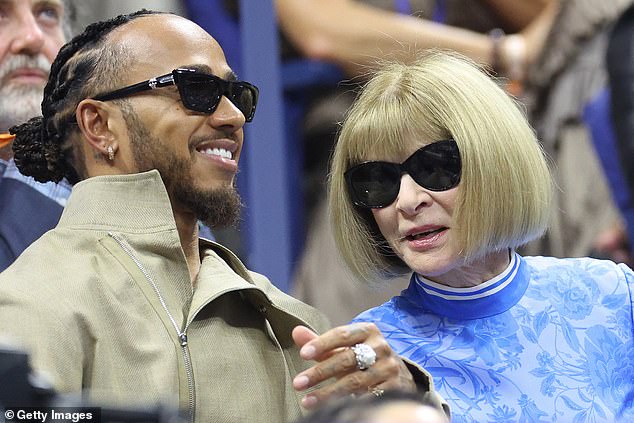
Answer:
(215, 207)
(20, 102)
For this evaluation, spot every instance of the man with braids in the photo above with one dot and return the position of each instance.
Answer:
(31, 34)
(123, 299)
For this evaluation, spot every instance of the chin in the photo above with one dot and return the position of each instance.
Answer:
(432, 265)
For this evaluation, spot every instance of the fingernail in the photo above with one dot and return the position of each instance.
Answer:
(300, 382)
(309, 401)
(307, 352)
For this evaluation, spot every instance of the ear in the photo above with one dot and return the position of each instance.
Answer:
(95, 121)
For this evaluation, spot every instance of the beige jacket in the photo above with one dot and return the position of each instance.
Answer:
(104, 303)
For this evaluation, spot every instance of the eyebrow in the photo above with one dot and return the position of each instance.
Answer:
(53, 3)
(229, 76)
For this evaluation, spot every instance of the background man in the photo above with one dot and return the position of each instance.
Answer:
(31, 33)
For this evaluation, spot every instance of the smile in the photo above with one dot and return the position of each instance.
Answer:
(221, 152)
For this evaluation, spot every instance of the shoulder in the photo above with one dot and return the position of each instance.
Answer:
(36, 292)
(306, 313)
(291, 306)
(393, 314)
(59, 264)
(592, 279)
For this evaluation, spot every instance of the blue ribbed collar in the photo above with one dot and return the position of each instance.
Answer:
(492, 297)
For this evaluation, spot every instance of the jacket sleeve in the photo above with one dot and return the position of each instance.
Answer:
(39, 324)
(425, 386)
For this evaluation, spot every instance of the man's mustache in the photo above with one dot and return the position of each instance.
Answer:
(22, 61)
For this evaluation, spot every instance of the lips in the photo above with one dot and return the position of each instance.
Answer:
(221, 154)
(424, 232)
(425, 238)
(27, 74)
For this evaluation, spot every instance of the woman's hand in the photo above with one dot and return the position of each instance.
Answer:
(336, 359)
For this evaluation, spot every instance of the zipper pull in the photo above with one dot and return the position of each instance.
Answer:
(183, 338)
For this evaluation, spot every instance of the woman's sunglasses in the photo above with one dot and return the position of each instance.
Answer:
(199, 92)
(435, 167)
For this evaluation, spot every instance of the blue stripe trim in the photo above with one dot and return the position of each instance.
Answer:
(493, 300)
(463, 291)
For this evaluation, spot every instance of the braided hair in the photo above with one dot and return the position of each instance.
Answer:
(43, 147)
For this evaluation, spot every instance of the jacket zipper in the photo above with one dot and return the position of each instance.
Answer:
(182, 335)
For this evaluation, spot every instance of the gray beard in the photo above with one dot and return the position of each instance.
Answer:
(19, 103)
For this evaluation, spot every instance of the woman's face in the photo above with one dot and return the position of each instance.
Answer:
(420, 228)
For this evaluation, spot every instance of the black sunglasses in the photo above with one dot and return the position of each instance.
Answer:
(435, 167)
(199, 92)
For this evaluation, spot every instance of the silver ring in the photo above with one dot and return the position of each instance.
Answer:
(365, 355)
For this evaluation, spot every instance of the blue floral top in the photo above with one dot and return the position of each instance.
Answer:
(548, 340)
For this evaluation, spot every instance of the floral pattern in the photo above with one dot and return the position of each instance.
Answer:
(562, 353)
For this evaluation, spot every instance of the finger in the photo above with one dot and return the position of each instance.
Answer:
(338, 365)
(377, 390)
(398, 377)
(357, 382)
(301, 335)
(345, 362)
(342, 336)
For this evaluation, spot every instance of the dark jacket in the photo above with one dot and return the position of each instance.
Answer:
(25, 215)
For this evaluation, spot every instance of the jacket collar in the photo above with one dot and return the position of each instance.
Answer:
(130, 203)
(139, 204)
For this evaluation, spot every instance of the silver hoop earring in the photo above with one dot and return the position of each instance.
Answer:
(110, 153)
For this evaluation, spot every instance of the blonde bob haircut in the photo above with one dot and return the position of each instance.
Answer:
(504, 196)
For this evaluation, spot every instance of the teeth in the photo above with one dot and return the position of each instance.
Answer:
(423, 234)
(218, 152)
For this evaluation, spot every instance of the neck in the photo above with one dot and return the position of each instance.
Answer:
(477, 272)
(187, 226)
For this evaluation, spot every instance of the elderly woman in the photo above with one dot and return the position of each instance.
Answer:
(437, 173)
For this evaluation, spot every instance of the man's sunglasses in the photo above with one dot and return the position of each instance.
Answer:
(435, 167)
(199, 92)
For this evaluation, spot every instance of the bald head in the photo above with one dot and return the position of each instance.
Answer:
(175, 40)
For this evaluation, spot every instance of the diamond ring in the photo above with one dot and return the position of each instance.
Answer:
(365, 355)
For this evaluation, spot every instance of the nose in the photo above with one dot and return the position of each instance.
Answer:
(411, 196)
(28, 37)
(227, 116)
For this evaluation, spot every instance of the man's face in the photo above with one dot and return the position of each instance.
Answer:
(196, 154)
(215, 206)
(31, 34)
